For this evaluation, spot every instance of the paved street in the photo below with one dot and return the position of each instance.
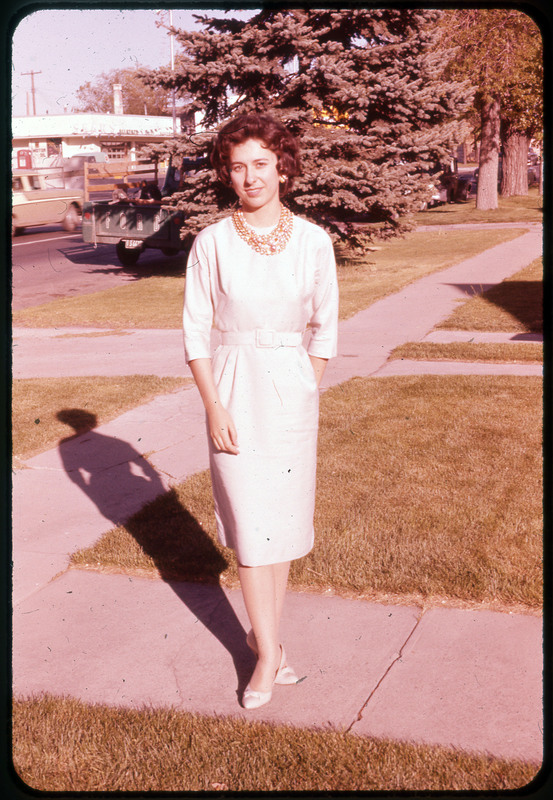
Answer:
(53, 264)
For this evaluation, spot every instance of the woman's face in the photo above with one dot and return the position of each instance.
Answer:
(254, 175)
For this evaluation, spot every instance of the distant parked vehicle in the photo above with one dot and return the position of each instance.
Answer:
(533, 174)
(449, 185)
(36, 202)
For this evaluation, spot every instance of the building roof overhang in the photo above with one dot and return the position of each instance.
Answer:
(112, 126)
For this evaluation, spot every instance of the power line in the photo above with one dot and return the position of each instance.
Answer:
(32, 73)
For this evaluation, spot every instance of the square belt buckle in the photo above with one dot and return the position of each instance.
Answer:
(264, 338)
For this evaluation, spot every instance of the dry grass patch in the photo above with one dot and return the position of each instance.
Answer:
(153, 302)
(62, 745)
(173, 538)
(510, 209)
(36, 403)
(156, 302)
(428, 486)
(515, 305)
(431, 485)
(510, 352)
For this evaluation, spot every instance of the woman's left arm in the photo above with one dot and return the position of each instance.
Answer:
(319, 366)
(324, 318)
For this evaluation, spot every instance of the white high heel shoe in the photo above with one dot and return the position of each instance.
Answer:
(252, 699)
(285, 675)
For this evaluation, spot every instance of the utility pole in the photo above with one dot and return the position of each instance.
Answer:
(172, 45)
(173, 74)
(32, 73)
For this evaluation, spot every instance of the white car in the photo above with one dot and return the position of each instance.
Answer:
(36, 202)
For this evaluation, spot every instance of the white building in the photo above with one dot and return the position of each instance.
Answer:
(118, 136)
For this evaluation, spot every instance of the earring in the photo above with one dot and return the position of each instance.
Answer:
(282, 178)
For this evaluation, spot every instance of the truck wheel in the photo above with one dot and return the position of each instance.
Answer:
(127, 256)
(170, 251)
(72, 218)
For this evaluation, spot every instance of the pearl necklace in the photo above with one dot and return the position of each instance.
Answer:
(266, 244)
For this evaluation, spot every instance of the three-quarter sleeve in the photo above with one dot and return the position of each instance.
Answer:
(324, 319)
(197, 318)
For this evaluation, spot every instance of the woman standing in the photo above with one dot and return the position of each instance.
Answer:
(261, 277)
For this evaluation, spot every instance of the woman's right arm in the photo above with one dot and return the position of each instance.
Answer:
(220, 424)
(197, 319)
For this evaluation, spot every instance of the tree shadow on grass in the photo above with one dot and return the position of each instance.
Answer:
(523, 300)
(128, 491)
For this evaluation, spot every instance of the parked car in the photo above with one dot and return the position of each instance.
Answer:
(35, 201)
(533, 174)
(450, 183)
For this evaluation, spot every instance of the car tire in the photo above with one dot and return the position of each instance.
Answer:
(170, 251)
(72, 218)
(127, 256)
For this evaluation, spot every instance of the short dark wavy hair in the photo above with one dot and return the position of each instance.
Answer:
(266, 129)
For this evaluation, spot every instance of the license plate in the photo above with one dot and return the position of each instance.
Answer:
(132, 244)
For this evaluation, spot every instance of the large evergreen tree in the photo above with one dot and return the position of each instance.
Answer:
(363, 89)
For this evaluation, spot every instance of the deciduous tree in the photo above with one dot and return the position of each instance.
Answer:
(138, 97)
(522, 111)
(499, 50)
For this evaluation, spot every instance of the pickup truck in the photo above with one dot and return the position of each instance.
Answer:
(135, 224)
(132, 228)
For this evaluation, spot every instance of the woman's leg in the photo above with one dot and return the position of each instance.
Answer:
(263, 589)
(281, 581)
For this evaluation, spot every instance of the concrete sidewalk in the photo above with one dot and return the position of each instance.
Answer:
(463, 678)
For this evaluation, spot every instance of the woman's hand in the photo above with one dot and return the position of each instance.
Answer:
(222, 429)
(319, 366)
(220, 424)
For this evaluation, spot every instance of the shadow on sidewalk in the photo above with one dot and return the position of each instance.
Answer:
(128, 491)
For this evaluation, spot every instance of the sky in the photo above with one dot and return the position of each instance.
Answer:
(70, 47)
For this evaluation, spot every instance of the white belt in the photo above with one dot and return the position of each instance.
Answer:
(263, 338)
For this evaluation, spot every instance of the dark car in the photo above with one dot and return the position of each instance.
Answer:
(455, 186)
(533, 174)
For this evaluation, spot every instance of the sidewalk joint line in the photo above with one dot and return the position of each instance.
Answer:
(387, 671)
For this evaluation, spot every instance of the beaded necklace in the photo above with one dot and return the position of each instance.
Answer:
(266, 244)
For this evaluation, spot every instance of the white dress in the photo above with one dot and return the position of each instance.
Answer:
(265, 496)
